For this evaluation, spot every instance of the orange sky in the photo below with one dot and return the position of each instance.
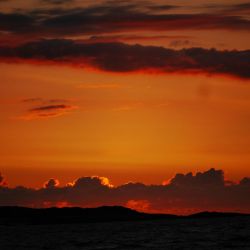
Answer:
(66, 120)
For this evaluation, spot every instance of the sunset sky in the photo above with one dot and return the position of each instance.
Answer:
(136, 91)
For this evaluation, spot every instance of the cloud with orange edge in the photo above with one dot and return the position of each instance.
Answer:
(183, 193)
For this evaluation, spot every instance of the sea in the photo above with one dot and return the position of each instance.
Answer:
(184, 233)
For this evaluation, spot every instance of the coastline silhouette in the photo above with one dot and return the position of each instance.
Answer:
(77, 215)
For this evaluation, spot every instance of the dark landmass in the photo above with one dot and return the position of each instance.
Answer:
(76, 215)
(216, 215)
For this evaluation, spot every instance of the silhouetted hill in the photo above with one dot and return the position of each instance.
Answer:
(70, 215)
(67, 215)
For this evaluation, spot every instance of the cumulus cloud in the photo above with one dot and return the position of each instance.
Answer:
(51, 183)
(184, 193)
(92, 182)
(120, 57)
(209, 178)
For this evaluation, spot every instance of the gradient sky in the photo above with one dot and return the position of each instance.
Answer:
(132, 90)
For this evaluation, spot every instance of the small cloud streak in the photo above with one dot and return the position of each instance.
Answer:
(100, 86)
(45, 109)
(44, 101)
(51, 107)
(32, 100)
(182, 194)
(130, 38)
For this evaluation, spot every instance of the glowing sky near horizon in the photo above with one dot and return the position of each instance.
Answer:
(65, 114)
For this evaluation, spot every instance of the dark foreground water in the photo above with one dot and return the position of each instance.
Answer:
(220, 233)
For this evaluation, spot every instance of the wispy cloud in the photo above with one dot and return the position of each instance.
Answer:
(100, 86)
(131, 38)
(46, 108)
(50, 107)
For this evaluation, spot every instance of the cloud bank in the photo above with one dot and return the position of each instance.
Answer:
(184, 193)
(121, 57)
(119, 16)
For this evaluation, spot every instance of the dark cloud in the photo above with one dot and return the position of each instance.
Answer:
(57, 1)
(236, 8)
(180, 43)
(1, 179)
(184, 193)
(161, 7)
(17, 22)
(46, 108)
(120, 57)
(51, 107)
(239, 11)
(245, 182)
(110, 19)
(48, 111)
(125, 38)
(51, 183)
(241, 6)
(91, 182)
(212, 178)
(114, 17)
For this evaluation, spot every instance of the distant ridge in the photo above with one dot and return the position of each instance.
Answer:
(75, 215)
(207, 214)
